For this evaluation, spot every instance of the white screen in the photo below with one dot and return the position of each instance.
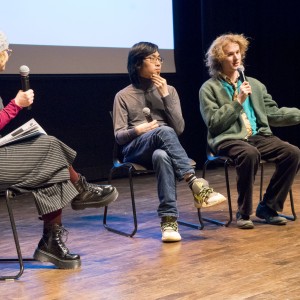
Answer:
(91, 36)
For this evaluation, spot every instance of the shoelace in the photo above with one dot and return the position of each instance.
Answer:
(166, 225)
(63, 234)
(94, 188)
(204, 193)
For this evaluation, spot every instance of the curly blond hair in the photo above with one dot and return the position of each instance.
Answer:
(215, 53)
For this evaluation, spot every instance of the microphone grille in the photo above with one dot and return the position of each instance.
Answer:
(146, 111)
(241, 68)
(24, 70)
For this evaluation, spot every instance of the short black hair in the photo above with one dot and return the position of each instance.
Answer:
(136, 56)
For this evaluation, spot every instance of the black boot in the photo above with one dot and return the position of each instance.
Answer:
(52, 249)
(93, 195)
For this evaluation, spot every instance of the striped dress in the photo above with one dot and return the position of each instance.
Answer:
(39, 165)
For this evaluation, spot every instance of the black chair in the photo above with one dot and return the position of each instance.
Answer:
(131, 169)
(227, 162)
(9, 195)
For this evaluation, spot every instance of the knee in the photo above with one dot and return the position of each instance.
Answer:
(252, 156)
(49, 138)
(166, 130)
(294, 154)
(159, 157)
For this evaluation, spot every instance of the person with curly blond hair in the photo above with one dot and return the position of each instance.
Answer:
(239, 112)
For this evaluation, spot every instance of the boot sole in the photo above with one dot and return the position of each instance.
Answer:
(43, 256)
(104, 201)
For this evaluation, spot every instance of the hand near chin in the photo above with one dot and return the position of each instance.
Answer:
(161, 85)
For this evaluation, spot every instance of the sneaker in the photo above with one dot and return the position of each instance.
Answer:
(169, 229)
(243, 221)
(204, 196)
(271, 216)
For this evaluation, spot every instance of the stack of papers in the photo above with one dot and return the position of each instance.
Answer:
(29, 129)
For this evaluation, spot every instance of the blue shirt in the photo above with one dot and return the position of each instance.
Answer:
(247, 106)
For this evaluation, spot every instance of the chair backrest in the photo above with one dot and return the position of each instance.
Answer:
(117, 153)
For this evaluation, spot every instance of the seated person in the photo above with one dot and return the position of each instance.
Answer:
(43, 166)
(238, 113)
(155, 144)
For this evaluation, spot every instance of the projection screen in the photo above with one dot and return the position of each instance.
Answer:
(84, 37)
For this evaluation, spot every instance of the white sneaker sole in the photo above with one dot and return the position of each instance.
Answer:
(212, 201)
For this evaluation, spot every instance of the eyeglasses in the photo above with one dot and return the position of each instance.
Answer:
(154, 59)
(9, 52)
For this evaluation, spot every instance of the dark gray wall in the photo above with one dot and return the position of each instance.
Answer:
(75, 108)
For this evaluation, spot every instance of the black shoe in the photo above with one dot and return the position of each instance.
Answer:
(93, 195)
(271, 216)
(52, 248)
(243, 221)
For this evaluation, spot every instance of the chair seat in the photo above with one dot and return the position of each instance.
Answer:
(228, 162)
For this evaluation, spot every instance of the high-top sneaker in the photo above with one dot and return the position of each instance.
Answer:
(204, 196)
(169, 229)
(52, 248)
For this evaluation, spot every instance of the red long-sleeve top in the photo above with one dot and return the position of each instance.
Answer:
(8, 113)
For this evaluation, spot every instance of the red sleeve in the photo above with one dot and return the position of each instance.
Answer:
(8, 113)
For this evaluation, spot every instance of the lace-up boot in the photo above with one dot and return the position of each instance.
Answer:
(169, 229)
(52, 248)
(92, 195)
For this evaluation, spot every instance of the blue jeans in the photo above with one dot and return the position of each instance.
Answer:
(161, 150)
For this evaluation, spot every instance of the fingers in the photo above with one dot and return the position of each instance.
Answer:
(158, 80)
(246, 88)
(161, 84)
(24, 99)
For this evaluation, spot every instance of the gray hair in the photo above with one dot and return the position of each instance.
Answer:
(3, 41)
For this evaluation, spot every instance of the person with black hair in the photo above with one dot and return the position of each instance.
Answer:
(155, 144)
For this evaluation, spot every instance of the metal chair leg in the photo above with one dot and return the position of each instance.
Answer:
(217, 222)
(291, 218)
(135, 226)
(199, 226)
(9, 195)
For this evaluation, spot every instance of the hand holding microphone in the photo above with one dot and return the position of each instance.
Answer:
(245, 88)
(145, 127)
(147, 114)
(25, 97)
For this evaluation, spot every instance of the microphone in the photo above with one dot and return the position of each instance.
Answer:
(241, 70)
(147, 114)
(24, 72)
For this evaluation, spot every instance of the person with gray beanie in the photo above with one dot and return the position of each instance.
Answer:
(42, 165)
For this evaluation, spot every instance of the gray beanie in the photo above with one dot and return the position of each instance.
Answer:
(3, 41)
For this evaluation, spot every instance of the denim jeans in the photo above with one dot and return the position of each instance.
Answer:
(161, 150)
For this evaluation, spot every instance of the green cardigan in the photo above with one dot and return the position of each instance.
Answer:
(222, 116)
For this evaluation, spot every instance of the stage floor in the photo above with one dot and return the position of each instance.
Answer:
(213, 263)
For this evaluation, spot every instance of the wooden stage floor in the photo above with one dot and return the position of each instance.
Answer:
(214, 263)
